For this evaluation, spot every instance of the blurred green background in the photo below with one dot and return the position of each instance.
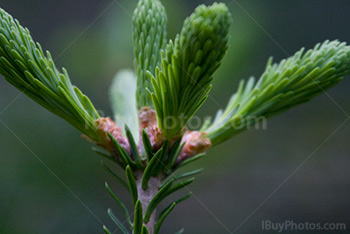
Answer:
(44, 161)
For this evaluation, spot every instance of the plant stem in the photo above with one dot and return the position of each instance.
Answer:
(145, 196)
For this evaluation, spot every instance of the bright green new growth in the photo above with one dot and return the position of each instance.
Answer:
(24, 65)
(149, 34)
(182, 83)
(291, 82)
(177, 83)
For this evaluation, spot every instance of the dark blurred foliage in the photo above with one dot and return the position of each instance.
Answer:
(51, 182)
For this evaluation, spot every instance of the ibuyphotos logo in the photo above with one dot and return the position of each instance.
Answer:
(290, 225)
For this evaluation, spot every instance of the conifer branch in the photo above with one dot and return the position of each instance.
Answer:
(291, 82)
(24, 65)
(175, 80)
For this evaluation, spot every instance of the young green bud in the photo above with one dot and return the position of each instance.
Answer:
(183, 82)
(149, 34)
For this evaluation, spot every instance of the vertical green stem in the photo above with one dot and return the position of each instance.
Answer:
(145, 196)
